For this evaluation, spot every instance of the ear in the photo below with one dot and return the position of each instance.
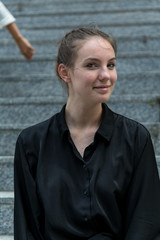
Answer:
(64, 72)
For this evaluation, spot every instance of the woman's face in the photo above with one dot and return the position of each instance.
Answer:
(94, 75)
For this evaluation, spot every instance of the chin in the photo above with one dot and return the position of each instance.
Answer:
(102, 100)
(105, 98)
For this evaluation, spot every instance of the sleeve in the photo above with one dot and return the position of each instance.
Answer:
(28, 215)
(5, 16)
(142, 221)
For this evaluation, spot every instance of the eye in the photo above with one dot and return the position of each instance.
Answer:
(91, 65)
(111, 65)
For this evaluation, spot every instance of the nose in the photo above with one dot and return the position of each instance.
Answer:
(104, 74)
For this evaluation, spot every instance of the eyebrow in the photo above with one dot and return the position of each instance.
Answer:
(96, 59)
(112, 59)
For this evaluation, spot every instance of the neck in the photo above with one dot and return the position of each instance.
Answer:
(82, 115)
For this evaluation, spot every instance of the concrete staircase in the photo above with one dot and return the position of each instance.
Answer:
(30, 91)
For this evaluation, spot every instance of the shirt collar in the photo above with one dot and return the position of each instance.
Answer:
(63, 128)
(105, 129)
(107, 124)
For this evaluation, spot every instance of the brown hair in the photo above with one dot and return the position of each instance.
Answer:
(71, 42)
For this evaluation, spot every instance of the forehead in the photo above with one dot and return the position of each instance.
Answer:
(94, 46)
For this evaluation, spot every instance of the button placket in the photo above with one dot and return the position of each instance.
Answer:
(86, 193)
(84, 165)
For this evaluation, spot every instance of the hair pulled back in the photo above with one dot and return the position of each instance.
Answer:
(71, 42)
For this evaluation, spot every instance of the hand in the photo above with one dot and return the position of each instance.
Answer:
(26, 48)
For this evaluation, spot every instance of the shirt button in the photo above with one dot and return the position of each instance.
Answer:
(85, 192)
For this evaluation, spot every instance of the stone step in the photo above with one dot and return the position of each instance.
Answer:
(6, 213)
(33, 109)
(6, 173)
(126, 62)
(42, 85)
(6, 209)
(53, 18)
(33, 21)
(135, 38)
(30, 86)
(62, 7)
(14, 2)
(9, 134)
(29, 110)
(140, 108)
(123, 33)
(6, 237)
(50, 47)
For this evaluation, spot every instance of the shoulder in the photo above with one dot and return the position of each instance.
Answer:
(36, 133)
(132, 134)
(130, 127)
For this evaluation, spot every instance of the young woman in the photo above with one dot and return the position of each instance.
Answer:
(87, 172)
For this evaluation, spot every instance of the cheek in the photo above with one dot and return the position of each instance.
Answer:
(114, 77)
(91, 76)
(87, 79)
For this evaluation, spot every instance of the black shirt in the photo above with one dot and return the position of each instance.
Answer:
(112, 193)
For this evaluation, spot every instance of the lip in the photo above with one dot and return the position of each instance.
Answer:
(103, 89)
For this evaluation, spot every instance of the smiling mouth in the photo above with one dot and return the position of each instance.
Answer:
(102, 87)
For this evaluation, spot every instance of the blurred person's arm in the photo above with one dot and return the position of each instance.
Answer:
(25, 47)
(7, 20)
